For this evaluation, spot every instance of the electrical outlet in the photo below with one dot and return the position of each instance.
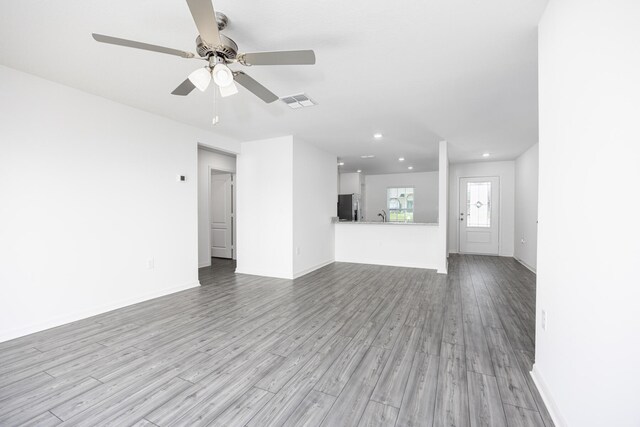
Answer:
(523, 241)
(150, 264)
(543, 320)
(298, 251)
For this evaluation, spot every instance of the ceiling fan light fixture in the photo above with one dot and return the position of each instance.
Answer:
(222, 75)
(225, 91)
(201, 78)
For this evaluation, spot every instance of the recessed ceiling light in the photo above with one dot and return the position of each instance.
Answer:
(486, 154)
(359, 170)
(377, 135)
(340, 163)
(401, 159)
(367, 156)
(410, 168)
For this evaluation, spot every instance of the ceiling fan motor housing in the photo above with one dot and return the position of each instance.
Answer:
(228, 49)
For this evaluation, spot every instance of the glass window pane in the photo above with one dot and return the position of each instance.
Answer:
(479, 204)
(403, 201)
(400, 202)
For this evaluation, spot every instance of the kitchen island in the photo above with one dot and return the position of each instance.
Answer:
(387, 243)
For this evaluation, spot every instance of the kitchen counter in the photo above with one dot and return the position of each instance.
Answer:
(398, 244)
(432, 224)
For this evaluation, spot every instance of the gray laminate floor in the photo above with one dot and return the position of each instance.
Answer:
(345, 345)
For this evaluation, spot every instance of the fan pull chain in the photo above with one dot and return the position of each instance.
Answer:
(216, 119)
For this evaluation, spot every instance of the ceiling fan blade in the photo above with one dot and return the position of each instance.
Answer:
(287, 57)
(184, 89)
(256, 88)
(205, 18)
(139, 45)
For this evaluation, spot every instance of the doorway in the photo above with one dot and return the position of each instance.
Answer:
(222, 214)
(479, 222)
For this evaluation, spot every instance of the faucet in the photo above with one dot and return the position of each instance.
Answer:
(383, 215)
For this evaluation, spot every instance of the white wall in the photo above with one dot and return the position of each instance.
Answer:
(443, 207)
(588, 245)
(88, 193)
(370, 244)
(314, 204)
(506, 172)
(526, 208)
(208, 160)
(350, 182)
(264, 189)
(286, 197)
(426, 194)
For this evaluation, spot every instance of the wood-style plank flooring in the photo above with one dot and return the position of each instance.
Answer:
(349, 344)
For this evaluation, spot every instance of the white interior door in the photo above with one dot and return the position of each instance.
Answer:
(221, 216)
(479, 215)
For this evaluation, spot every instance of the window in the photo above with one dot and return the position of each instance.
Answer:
(400, 204)
(479, 204)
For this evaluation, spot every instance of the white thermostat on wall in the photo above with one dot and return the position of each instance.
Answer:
(181, 178)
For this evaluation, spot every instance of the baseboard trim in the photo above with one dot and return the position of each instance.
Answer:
(527, 266)
(84, 314)
(206, 264)
(551, 405)
(260, 274)
(314, 268)
(444, 270)
(403, 265)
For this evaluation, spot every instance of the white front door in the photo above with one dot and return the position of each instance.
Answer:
(221, 216)
(479, 221)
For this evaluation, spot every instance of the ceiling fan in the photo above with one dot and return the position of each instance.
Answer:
(219, 51)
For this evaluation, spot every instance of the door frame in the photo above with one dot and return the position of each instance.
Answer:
(457, 215)
(233, 208)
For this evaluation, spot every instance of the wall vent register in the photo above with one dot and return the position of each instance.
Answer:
(298, 101)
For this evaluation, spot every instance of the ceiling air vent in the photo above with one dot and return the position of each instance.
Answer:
(298, 101)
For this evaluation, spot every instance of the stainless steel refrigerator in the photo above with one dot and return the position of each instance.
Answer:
(349, 207)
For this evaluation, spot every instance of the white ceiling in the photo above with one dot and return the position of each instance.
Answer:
(417, 71)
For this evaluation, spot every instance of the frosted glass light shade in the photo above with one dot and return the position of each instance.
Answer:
(222, 75)
(225, 91)
(200, 78)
